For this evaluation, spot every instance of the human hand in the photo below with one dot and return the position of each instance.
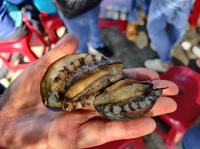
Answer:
(26, 122)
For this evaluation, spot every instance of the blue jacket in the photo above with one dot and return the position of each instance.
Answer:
(7, 24)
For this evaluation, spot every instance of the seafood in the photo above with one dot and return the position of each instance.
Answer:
(85, 81)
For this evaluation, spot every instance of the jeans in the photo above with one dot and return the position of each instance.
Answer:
(138, 5)
(85, 26)
(167, 22)
(191, 139)
(10, 18)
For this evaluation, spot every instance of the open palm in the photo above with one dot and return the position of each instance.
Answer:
(27, 123)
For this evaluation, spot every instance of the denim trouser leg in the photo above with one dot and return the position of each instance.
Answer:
(86, 27)
(167, 23)
(159, 37)
(78, 26)
(191, 138)
(133, 14)
(141, 5)
(146, 6)
(95, 35)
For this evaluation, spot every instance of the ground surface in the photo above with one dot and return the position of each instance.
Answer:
(125, 50)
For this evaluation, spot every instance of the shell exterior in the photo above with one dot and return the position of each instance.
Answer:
(92, 81)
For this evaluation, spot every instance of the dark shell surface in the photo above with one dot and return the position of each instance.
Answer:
(85, 81)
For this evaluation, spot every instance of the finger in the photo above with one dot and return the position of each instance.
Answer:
(63, 130)
(141, 73)
(162, 106)
(170, 87)
(99, 132)
(67, 45)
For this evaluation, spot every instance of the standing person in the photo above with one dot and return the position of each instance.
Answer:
(81, 17)
(137, 6)
(167, 22)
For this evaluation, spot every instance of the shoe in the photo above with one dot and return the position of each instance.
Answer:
(186, 45)
(155, 64)
(196, 51)
(105, 51)
(102, 50)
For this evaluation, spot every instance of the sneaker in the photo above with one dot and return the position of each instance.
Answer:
(186, 45)
(102, 50)
(155, 64)
(196, 51)
(92, 50)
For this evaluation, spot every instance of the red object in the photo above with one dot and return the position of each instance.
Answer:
(122, 144)
(21, 45)
(188, 102)
(51, 24)
(110, 23)
(195, 14)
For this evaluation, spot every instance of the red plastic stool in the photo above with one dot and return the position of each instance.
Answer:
(21, 45)
(51, 24)
(195, 13)
(122, 144)
(109, 23)
(188, 102)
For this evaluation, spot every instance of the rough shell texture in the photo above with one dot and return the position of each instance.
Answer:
(92, 81)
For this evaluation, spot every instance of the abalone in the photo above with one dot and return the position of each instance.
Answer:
(85, 81)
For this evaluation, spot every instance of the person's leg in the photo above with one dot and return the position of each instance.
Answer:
(179, 23)
(131, 29)
(191, 138)
(6, 22)
(162, 43)
(146, 6)
(159, 37)
(21, 31)
(12, 27)
(78, 26)
(95, 35)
